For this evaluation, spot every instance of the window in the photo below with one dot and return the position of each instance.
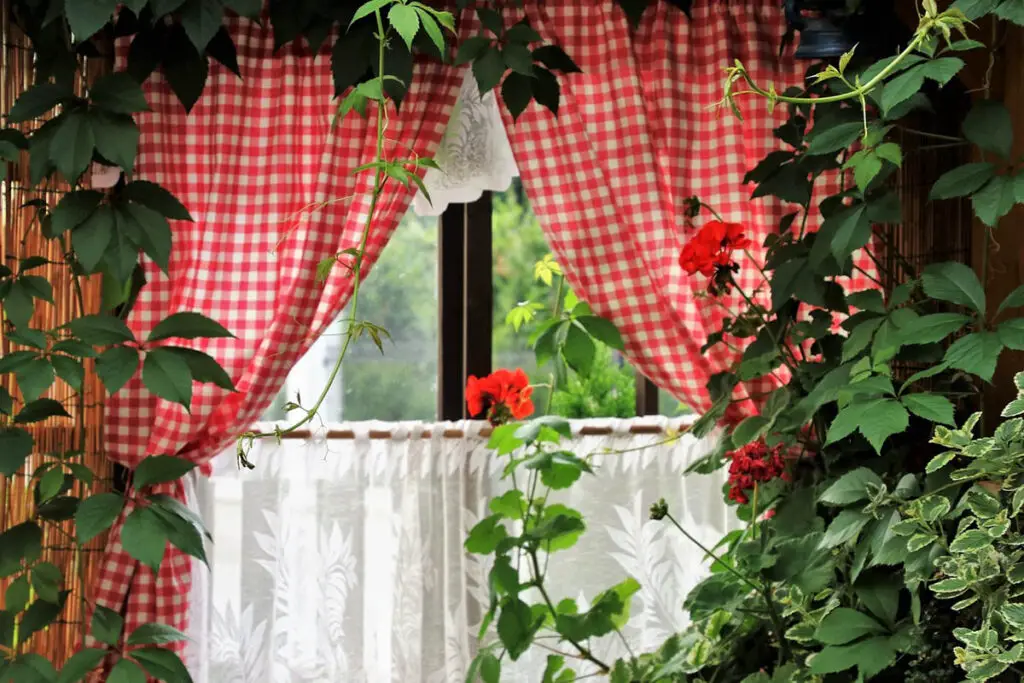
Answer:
(400, 295)
(433, 289)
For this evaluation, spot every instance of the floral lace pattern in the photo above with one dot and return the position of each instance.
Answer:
(342, 560)
(474, 156)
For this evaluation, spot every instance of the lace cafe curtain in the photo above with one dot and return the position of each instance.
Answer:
(341, 560)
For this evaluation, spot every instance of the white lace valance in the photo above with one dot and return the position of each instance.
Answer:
(474, 156)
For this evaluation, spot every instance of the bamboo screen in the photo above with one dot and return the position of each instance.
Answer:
(930, 231)
(20, 237)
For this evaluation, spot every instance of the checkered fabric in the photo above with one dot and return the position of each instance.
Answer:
(636, 134)
(272, 195)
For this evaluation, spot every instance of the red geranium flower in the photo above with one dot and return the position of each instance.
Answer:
(709, 252)
(752, 464)
(503, 395)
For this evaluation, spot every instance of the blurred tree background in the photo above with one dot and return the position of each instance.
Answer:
(401, 293)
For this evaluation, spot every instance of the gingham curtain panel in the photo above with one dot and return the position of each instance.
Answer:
(272, 194)
(636, 134)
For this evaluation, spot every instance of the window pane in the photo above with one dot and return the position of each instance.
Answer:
(519, 243)
(400, 295)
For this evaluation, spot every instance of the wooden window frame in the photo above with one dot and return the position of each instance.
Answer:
(466, 308)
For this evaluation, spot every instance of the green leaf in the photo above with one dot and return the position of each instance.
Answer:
(32, 668)
(870, 656)
(15, 446)
(47, 580)
(853, 230)
(156, 198)
(931, 407)
(751, 429)
(853, 486)
(126, 671)
(555, 58)
(148, 230)
(117, 138)
(80, 664)
(977, 353)
(490, 668)
(517, 93)
(902, 88)
(1011, 333)
(488, 69)
(204, 368)
(92, 237)
(969, 541)
(955, 283)
(86, 17)
(73, 209)
(405, 21)
(831, 139)
(158, 469)
(17, 595)
(882, 419)
(34, 378)
(156, 634)
(101, 330)
(844, 625)
(96, 514)
(368, 8)
(144, 538)
(168, 376)
(844, 527)
(948, 586)
(201, 20)
(39, 410)
(516, 627)
(579, 350)
(70, 370)
(187, 326)
(928, 329)
(106, 625)
(20, 542)
(1014, 299)
(602, 330)
(72, 144)
(118, 93)
(994, 200)
(431, 28)
(988, 125)
(485, 536)
(962, 180)
(471, 48)
(116, 366)
(38, 100)
(162, 664)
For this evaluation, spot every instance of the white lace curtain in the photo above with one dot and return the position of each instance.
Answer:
(474, 155)
(341, 561)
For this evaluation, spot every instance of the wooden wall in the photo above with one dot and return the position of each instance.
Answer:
(20, 237)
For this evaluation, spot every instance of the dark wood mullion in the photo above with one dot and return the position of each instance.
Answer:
(646, 396)
(451, 295)
(466, 302)
(479, 287)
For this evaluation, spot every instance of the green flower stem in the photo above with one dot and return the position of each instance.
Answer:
(857, 93)
(764, 590)
(552, 379)
(378, 187)
(582, 649)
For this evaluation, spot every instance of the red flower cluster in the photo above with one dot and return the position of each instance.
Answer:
(709, 252)
(754, 463)
(504, 395)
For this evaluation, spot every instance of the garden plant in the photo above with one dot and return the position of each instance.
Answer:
(882, 540)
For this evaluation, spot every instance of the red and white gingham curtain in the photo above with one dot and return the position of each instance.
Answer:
(272, 194)
(636, 134)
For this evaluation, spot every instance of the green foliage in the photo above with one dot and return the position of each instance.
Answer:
(888, 557)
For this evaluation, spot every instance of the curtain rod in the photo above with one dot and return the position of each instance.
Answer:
(461, 434)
